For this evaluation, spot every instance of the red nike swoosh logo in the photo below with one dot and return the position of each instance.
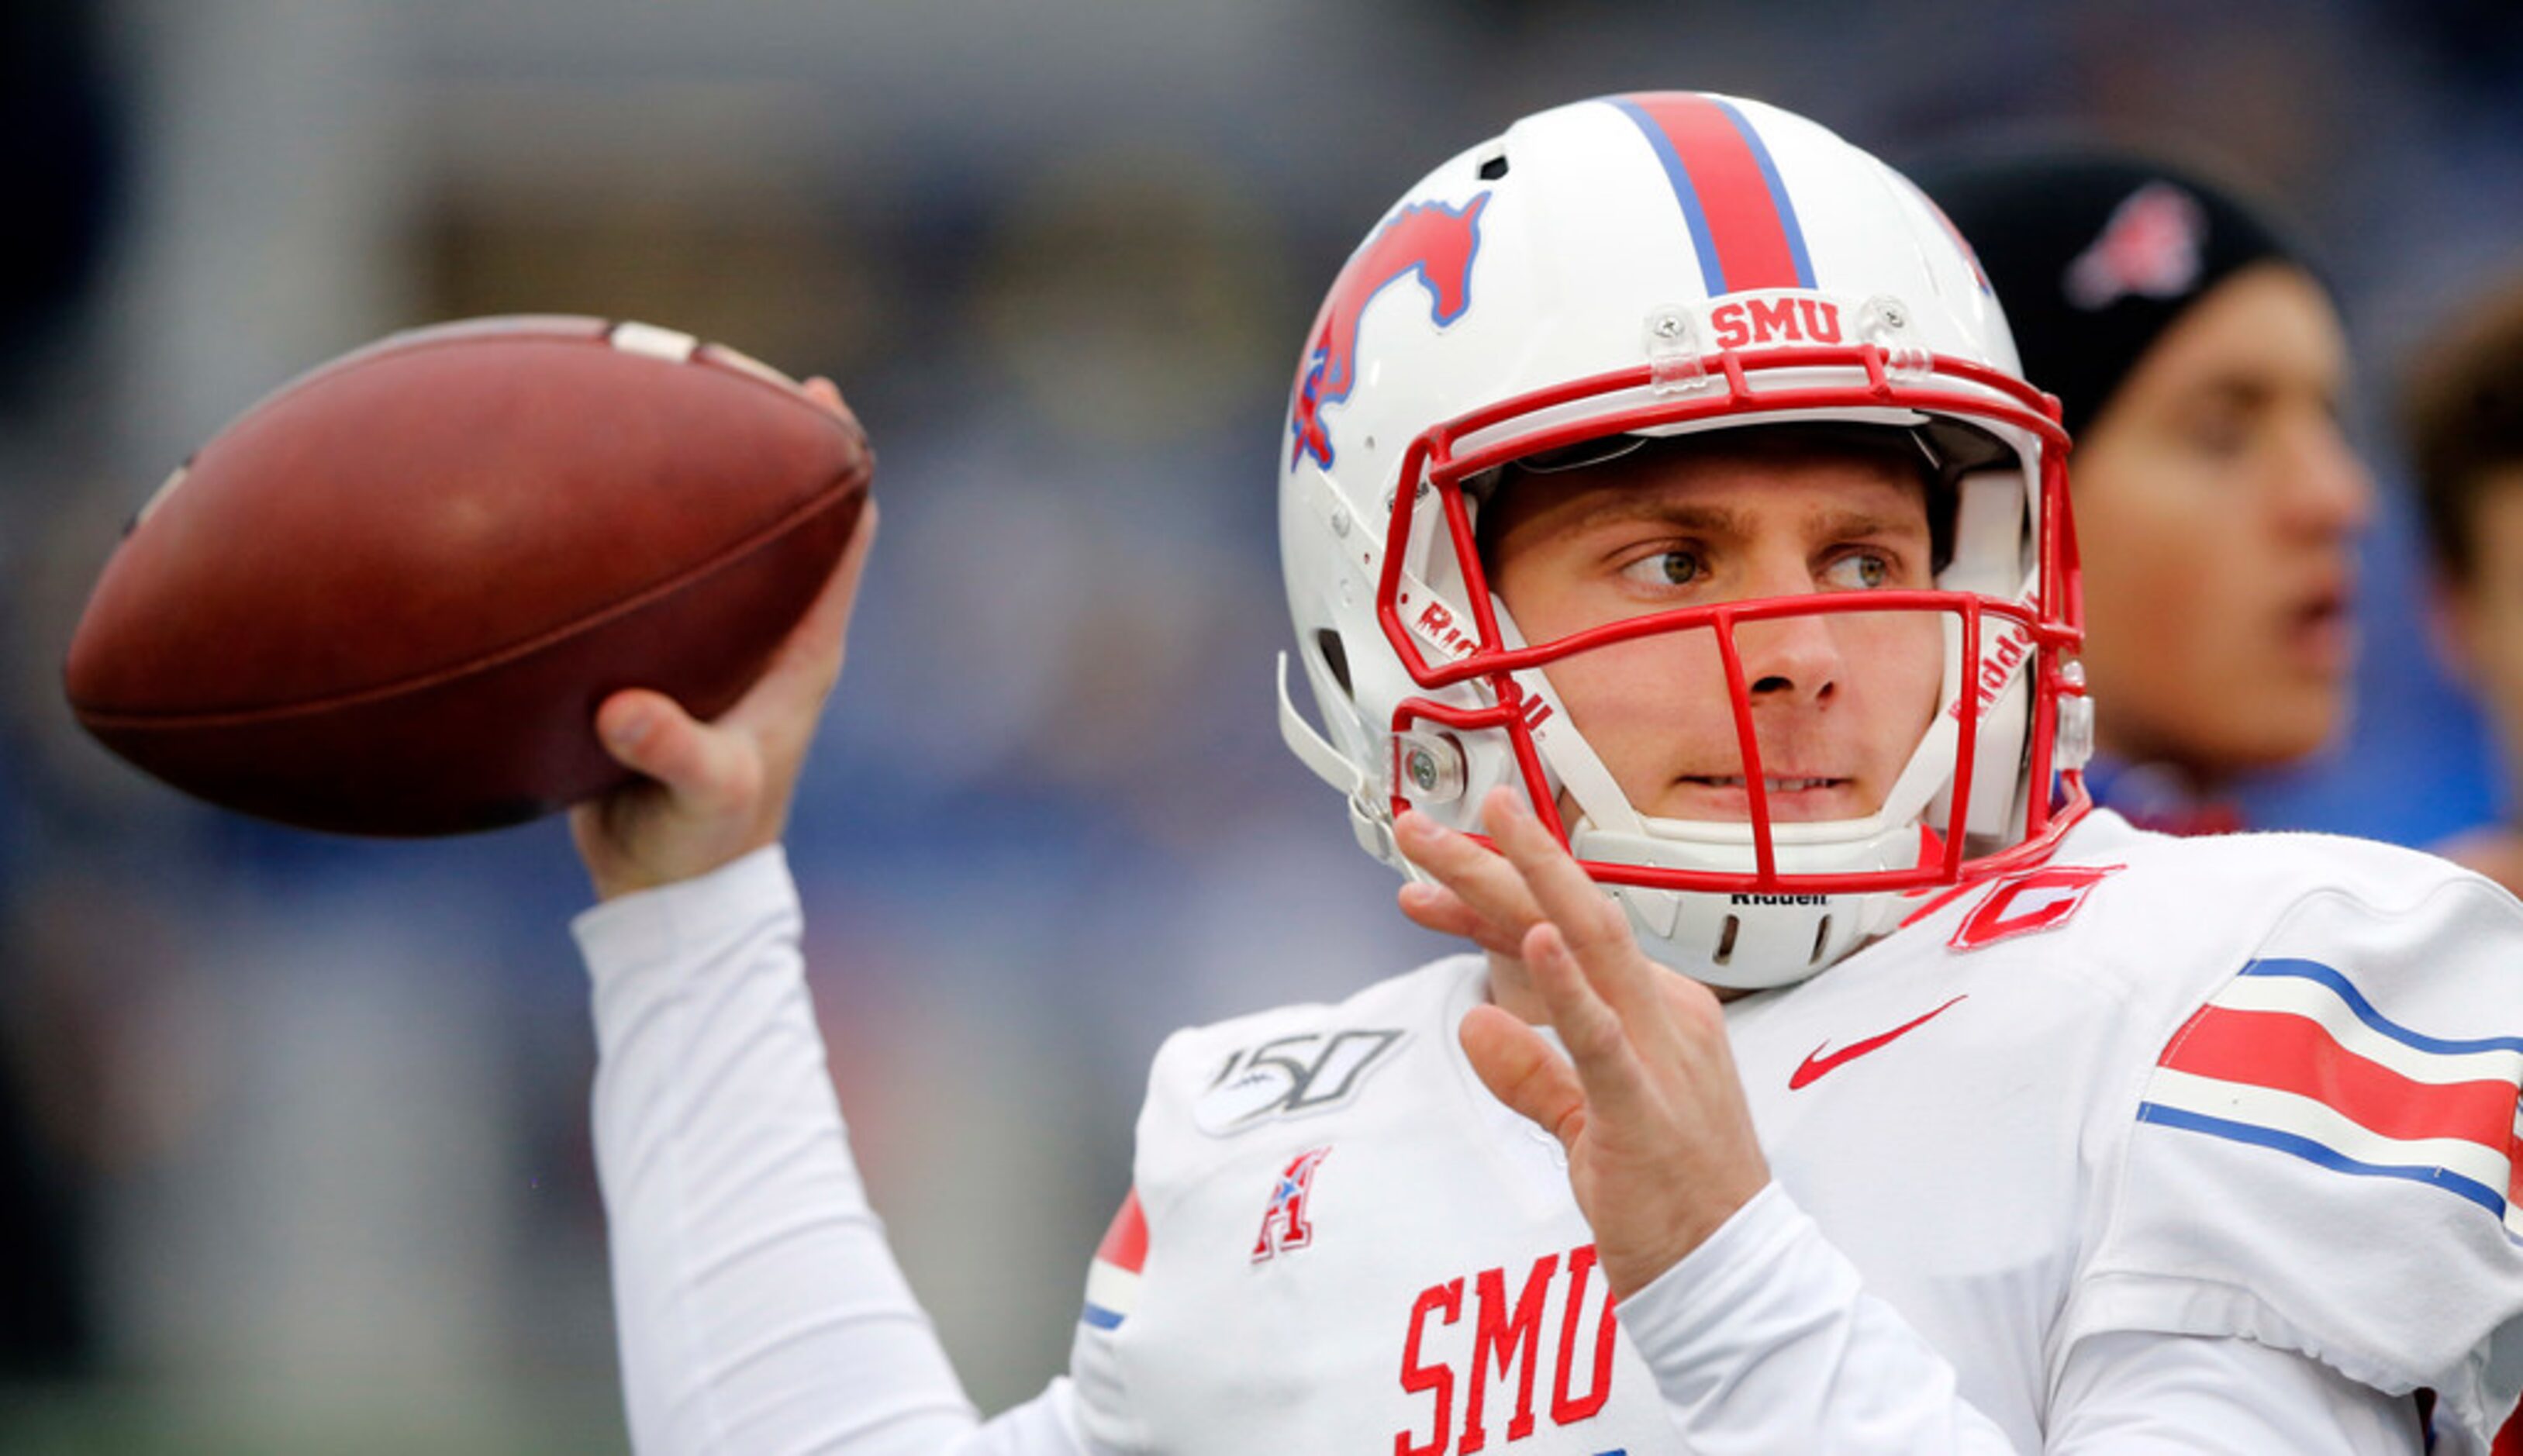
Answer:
(1817, 1064)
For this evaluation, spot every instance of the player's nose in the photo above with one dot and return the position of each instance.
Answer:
(1793, 658)
(2327, 491)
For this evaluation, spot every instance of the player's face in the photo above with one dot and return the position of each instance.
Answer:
(2217, 506)
(2486, 613)
(1839, 700)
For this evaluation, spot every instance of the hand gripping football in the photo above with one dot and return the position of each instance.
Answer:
(388, 598)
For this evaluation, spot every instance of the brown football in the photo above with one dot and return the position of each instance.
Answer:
(388, 598)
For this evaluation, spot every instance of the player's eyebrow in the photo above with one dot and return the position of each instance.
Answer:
(1722, 521)
(2259, 389)
(1861, 525)
(1621, 507)
(2231, 390)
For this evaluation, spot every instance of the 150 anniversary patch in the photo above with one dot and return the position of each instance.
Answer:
(1290, 1076)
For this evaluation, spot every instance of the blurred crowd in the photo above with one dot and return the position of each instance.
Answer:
(293, 1129)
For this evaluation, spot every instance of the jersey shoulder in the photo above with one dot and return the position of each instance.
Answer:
(2161, 921)
(2315, 1149)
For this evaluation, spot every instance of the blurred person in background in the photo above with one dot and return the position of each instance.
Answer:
(2200, 365)
(2462, 411)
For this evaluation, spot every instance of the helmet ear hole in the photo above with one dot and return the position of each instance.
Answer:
(1327, 645)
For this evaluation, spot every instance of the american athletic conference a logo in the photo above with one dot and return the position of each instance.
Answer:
(1431, 240)
(1286, 1225)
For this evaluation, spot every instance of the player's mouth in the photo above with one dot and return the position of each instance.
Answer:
(1792, 797)
(2318, 631)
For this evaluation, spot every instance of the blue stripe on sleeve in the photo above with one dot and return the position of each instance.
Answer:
(2315, 971)
(2322, 1153)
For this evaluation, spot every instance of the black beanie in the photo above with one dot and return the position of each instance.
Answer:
(2094, 253)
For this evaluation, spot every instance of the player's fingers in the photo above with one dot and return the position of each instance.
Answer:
(704, 770)
(1691, 1005)
(1587, 1027)
(1476, 876)
(1438, 909)
(824, 391)
(1550, 874)
(823, 632)
(1610, 1062)
(1520, 1069)
(1592, 926)
(808, 663)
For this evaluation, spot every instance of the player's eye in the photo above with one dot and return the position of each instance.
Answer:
(1860, 571)
(2219, 433)
(1671, 568)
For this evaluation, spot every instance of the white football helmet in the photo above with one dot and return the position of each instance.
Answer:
(1647, 266)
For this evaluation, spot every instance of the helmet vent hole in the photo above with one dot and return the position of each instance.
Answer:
(1493, 169)
(1335, 657)
(1822, 937)
(1726, 940)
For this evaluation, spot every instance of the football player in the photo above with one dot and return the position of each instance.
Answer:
(2200, 365)
(2463, 414)
(1683, 581)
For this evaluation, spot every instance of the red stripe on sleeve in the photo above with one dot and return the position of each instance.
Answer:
(2288, 1053)
(1742, 217)
(1126, 1242)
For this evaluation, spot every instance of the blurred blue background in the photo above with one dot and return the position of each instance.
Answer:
(293, 1145)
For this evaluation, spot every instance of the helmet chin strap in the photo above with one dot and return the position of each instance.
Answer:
(1572, 761)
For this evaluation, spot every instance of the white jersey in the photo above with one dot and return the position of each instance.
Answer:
(2161, 1117)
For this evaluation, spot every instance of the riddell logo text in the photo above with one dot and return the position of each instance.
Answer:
(1779, 899)
(1996, 665)
(1789, 320)
(1437, 625)
(1440, 1363)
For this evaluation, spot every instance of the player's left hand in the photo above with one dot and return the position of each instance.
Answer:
(1647, 1103)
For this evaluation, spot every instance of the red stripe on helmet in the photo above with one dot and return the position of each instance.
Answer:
(1744, 225)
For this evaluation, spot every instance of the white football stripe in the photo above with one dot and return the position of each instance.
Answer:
(750, 365)
(671, 345)
(2285, 1112)
(1112, 1287)
(2312, 998)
